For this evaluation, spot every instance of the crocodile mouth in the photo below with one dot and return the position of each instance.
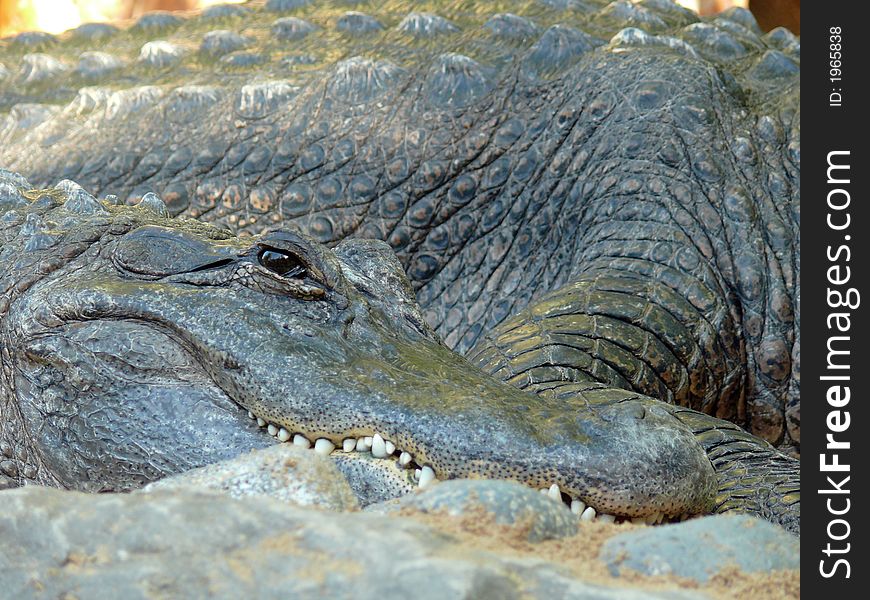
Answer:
(616, 462)
(362, 388)
(424, 475)
(343, 374)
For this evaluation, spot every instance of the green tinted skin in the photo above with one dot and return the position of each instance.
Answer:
(671, 309)
(322, 48)
(639, 153)
(351, 360)
(326, 45)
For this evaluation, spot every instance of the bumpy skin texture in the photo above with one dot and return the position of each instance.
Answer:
(118, 368)
(621, 178)
(642, 161)
(132, 342)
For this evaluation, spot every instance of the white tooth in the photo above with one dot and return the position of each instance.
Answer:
(554, 492)
(379, 448)
(272, 429)
(361, 445)
(301, 440)
(544, 491)
(660, 518)
(577, 506)
(638, 520)
(251, 415)
(368, 440)
(391, 447)
(427, 476)
(417, 473)
(651, 519)
(405, 459)
(283, 435)
(348, 444)
(588, 514)
(261, 422)
(323, 446)
(607, 518)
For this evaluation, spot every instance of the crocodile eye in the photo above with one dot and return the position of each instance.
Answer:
(283, 263)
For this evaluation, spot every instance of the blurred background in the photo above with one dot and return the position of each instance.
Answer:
(55, 16)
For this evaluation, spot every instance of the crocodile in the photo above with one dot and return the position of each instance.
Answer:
(137, 345)
(635, 160)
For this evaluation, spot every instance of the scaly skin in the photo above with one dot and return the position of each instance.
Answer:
(539, 351)
(654, 174)
(133, 341)
(118, 368)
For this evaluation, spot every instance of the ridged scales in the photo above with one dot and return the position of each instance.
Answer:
(590, 141)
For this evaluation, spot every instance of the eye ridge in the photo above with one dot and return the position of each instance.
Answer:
(282, 263)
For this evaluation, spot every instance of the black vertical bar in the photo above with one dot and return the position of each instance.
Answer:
(835, 240)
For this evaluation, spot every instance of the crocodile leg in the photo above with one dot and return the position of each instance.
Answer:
(753, 476)
(628, 331)
(614, 330)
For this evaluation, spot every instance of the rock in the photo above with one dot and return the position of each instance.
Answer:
(15, 179)
(702, 547)
(284, 472)
(182, 543)
(506, 502)
(10, 197)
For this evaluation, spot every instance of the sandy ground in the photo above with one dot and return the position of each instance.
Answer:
(579, 554)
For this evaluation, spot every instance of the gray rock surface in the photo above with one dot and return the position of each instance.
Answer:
(283, 471)
(195, 544)
(701, 547)
(506, 502)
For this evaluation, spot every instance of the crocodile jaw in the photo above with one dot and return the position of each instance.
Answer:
(350, 366)
(367, 383)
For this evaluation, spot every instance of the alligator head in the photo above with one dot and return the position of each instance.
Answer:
(136, 345)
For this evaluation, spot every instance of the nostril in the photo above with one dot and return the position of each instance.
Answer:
(629, 410)
(637, 411)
